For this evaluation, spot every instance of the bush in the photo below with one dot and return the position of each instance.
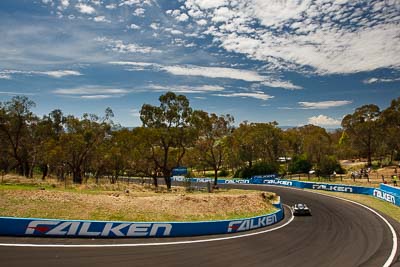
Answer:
(223, 173)
(260, 168)
(328, 165)
(300, 164)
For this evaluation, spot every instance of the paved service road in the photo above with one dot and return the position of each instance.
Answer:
(338, 234)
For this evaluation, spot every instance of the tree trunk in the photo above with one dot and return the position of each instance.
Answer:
(167, 178)
(215, 176)
(26, 169)
(77, 176)
(45, 170)
(369, 158)
(155, 181)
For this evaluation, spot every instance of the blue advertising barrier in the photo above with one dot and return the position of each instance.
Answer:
(79, 228)
(338, 188)
(390, 189)
(386, 196)
(384, 192)
(179, 171)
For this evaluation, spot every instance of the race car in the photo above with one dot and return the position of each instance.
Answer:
(301, 209)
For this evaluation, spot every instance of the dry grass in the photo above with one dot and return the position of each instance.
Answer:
(21, 197)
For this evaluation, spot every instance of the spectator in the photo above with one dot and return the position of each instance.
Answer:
(394, 180)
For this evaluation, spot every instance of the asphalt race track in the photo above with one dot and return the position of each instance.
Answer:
(338, 234)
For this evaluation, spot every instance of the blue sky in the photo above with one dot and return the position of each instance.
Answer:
(296, 62)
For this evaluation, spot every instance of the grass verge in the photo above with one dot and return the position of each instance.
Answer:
(377, 204)
(127, 202)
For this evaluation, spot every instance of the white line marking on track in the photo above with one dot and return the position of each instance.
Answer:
(390, 260)
(392, 256)
(149, 244)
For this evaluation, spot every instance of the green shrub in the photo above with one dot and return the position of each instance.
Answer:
(223, 173)
(260, 168)
(328, 165)
(300, 164)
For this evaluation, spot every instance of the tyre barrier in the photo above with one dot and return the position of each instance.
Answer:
(10, 226)
(384, 192)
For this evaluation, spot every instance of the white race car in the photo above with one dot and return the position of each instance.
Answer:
(301, 209)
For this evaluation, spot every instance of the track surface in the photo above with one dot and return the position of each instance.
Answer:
(338, 234)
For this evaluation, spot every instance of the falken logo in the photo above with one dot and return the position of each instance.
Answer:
(243, 225)
(73, 228)
(278, 182)
(237, 181)
(384, 196)
(336, 188)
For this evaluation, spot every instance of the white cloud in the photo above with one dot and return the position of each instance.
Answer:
(187, 89)
(371, 80)
(182, 17)
(96, 2)
(154, 26)
(132, 63)
(327, 37)
(176, 32)
(256, 95)
(91, 92)
(281, 84)
(60, 73)
(85, 9)
(206, 4)
(139, 12)
(98, 96)
(101, 19)
(322, 120)
(129, 2)
(202, 22)
(64, 4)
(324, 104)
(120, 47)
(134, 26)
(380, 80)
(7, 74)
(213, 72)
(111, 6)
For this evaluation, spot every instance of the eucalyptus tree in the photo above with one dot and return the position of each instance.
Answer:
(258, 142)
(45, 146)
(16, 120)
(390, 122)
(213, 131)
(268, 138)
(80, 140)
(142, 158)
(244, 145)
(315, 143)
(362, 127)
(169, 131)
(119, 152)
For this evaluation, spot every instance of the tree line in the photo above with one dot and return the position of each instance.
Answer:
(174, 134)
